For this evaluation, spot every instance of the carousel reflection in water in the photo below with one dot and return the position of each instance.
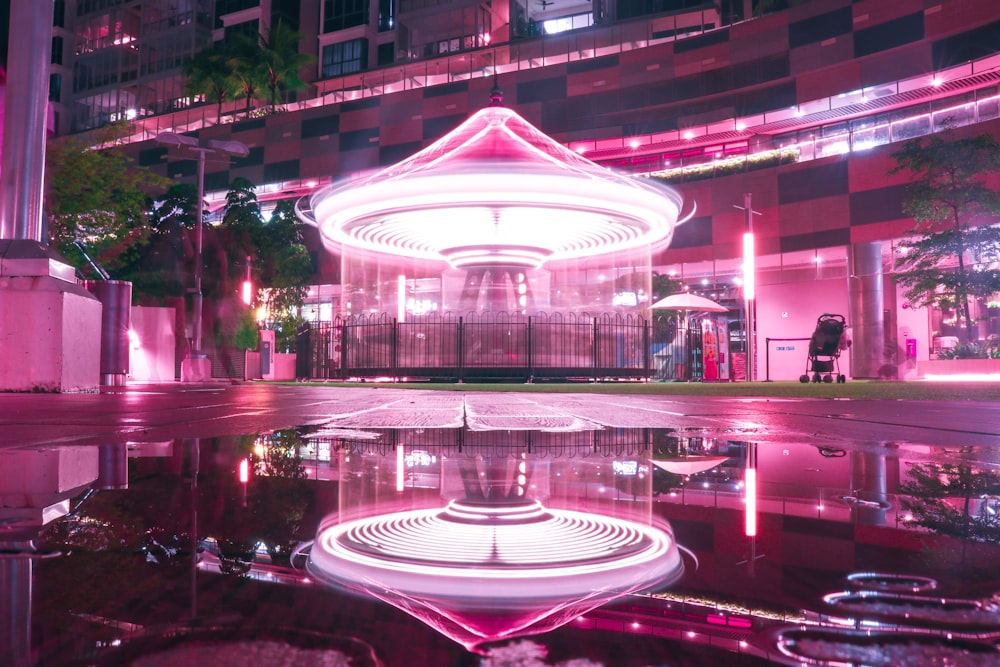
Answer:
(498, 543)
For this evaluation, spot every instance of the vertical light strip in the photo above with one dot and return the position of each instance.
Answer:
(749, 267)
(750, 487)
(400, 467)
(401, 299)
(244, 471)
(750, 483)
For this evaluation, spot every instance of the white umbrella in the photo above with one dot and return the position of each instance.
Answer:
(689, 302)
(690, 465)
(686, 302)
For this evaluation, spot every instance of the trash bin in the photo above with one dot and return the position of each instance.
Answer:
(116, 320)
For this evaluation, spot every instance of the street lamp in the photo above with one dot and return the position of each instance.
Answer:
(211, 146)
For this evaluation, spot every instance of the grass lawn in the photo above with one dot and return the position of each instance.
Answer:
(857, 389)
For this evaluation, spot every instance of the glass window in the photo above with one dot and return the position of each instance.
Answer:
(345, 57)
(55, 87)
(386, 15)
(342, 14)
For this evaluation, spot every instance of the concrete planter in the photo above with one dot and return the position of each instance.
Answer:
(936, 367)
(284, 366)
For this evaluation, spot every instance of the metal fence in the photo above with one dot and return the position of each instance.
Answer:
(480, 347)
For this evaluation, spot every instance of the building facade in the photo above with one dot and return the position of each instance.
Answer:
(799, 108)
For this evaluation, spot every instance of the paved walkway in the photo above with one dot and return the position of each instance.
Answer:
(169, 411)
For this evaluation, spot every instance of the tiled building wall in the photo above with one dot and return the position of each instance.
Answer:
(813, 51)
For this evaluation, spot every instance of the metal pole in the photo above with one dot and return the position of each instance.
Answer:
(23, 169)
(199, 235)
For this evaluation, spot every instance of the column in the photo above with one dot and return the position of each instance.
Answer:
(866, 320)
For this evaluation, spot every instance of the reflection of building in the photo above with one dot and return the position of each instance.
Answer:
(800, 107)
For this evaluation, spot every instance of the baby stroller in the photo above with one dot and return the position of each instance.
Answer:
(824, 349)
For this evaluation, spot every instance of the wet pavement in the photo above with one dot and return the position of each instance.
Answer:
(151, 412)
(165, 524)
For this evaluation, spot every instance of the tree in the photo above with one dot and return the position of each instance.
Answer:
(247, 67)
(287, 267)
(160, 267)
(281, 60)
(242, 222)
(210, 74)
(953, 253)
(97, 201)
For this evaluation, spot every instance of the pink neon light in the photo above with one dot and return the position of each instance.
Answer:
(244, 471)
(750, 484)
(749, 266)
(400, 467)
(247, 292)
(401, 298)
(496, 190)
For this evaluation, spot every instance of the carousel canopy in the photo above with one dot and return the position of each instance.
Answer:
(496, 191)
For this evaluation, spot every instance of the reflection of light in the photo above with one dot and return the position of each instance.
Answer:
(751, 502)
(133, 339)
(244, 471)
(537, 542)
(479, 572)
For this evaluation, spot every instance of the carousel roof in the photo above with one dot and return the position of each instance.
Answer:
(496, 191)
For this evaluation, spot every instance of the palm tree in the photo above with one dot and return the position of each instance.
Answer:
(247, 67)
(209, 74)
(281, 60)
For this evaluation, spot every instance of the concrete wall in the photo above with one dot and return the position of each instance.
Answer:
(153, 347)
(790, 310)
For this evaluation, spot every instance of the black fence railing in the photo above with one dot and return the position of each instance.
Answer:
(480, 347)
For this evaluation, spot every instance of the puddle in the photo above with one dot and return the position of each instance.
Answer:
(448, 546)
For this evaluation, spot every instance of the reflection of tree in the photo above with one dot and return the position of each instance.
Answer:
(132, 521)
(954, 500)
(526, 653)
(283, 495)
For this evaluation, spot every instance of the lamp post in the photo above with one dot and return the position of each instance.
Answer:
(211, 146)
(749, 287)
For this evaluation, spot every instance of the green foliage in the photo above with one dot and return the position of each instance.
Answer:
(209, 74)
(242, 220)
(247, 68)
(953, 254)
(281, 61)
(727, 166)
(163, 266)
(247, 334)
(286, 266)
(664, 286)
(97, 201)
(281, 267)
(286, 328)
